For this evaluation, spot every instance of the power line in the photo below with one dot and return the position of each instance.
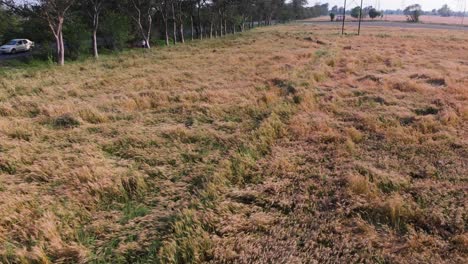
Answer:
(360, 18)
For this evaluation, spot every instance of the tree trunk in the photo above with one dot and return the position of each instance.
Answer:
(225, 27)
(181, 28)
(95, 29)
(199, 26)
(95, 48)
(211, 29)
(221, 28)
(174, 23)
(148, 34)
(220, 23)
(57, 48)
(57, 31)
(191, 22)
(148, 44)
(61, 60)
(166, 33)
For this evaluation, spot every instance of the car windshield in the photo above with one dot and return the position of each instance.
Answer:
(13, 42)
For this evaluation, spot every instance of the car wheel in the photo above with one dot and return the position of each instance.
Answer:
(13, 51)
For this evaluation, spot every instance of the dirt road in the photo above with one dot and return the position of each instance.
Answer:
(4, 57)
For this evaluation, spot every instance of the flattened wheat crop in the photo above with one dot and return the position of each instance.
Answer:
(287, 144)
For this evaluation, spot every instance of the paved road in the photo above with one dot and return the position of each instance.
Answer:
(4, 57)
(390, 24)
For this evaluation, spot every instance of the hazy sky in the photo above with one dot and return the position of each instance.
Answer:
(399, 4)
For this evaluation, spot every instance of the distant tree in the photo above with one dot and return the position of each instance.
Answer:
(444, 11)
(365, 11)
(356, 12)
(332, 16)
(334, 9)
(298, 8)
(373, 13)
(413, 12)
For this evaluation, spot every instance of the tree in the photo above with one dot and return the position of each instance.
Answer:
(298, 8)
(444, 11)
(373, 13)
(142, 12)
(356, 12)
(8, 22)
(162, 8)
(115, 29)
(334, 9)
(55, 12)
(413, 12)
(95, 7)
(332, 16)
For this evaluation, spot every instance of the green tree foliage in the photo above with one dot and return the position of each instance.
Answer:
(9, 24)
(413, 12)
(332, 16)
(115, 31)
(444, 11)
(373, 13)
(77, 36)
(356, 12)
(298, 8)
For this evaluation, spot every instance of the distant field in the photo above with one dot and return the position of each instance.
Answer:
(285, 144)
(424, 19)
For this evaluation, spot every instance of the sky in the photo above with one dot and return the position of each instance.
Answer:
(456, 5)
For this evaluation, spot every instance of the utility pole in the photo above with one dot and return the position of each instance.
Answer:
(360, 18)
(344, 17)
(464, 13)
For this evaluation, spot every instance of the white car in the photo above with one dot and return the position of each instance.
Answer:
(17, 45)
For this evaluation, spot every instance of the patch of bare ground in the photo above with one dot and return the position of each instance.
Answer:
(280, 145)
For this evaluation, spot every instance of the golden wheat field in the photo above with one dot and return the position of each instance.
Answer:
(284, 144)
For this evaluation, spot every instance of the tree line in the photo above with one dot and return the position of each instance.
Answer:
(77, 27)
(356, 12)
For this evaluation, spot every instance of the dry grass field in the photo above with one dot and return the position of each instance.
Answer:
(432, 19)
(286, 144)
(453, 20)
